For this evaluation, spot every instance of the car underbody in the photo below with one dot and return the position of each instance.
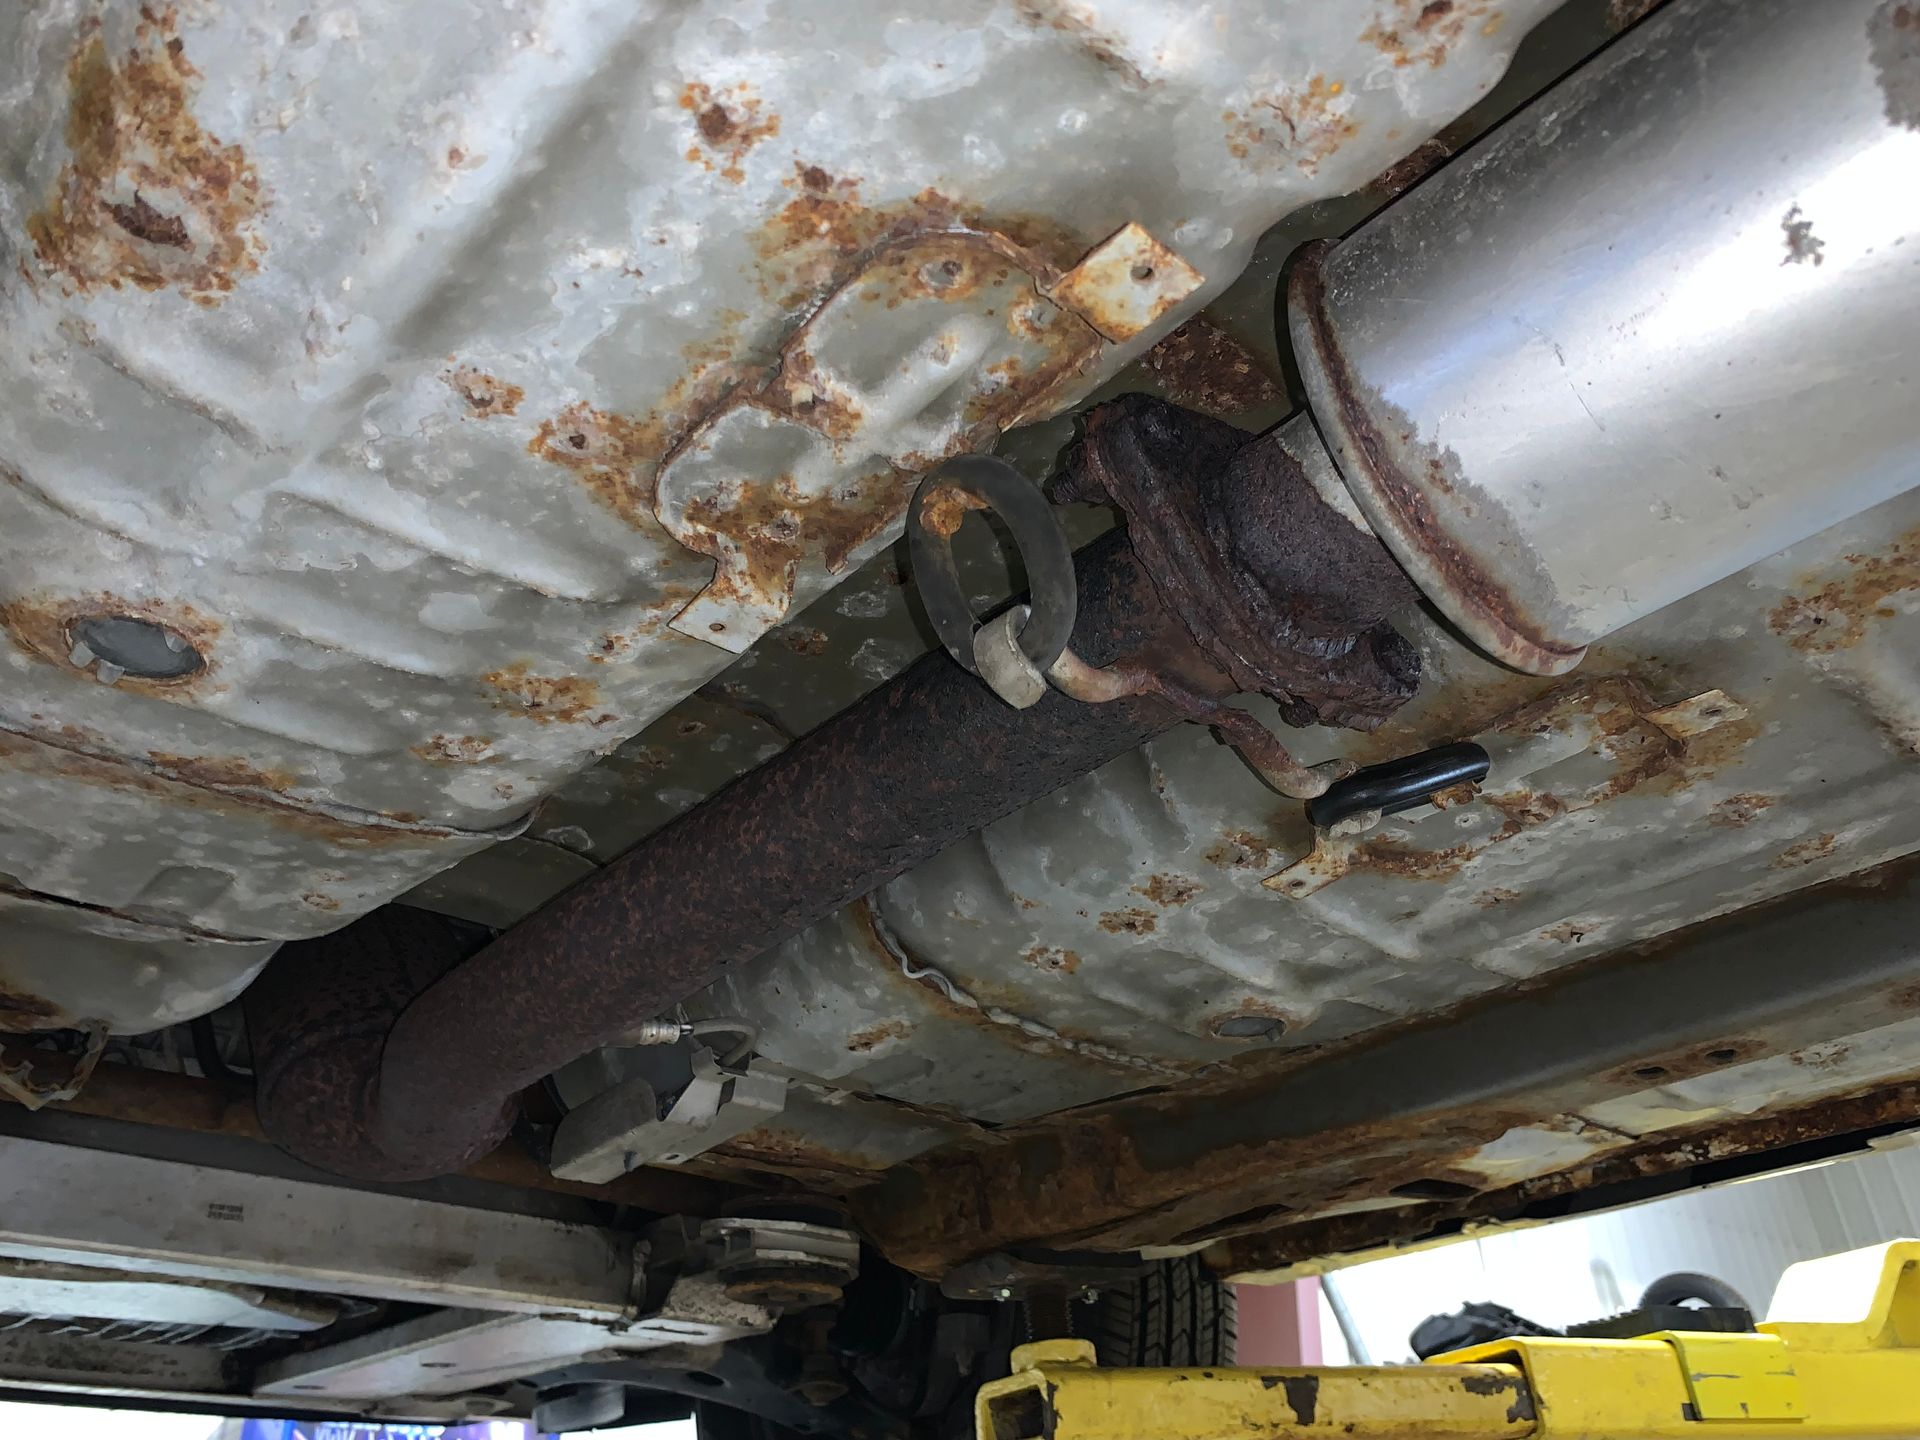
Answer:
(719, 702)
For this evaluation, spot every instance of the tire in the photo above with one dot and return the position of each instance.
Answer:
(1177, 1314)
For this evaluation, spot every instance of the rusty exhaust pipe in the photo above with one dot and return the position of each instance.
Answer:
(383, 1054)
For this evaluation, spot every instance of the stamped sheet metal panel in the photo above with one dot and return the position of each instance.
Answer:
(464, 384)
(1760, 737)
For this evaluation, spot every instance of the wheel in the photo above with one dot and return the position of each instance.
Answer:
(1176, 1314)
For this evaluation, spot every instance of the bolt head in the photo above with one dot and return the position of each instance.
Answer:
(1005, 1292)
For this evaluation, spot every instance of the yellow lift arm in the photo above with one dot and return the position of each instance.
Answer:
(1850, 1368)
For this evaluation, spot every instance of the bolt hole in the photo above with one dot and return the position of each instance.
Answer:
(1650, 1072)
(1248, 1027)
(1722, 1054)
(703, 1377)
(142, 648)
(717, 626)
(1143, 273)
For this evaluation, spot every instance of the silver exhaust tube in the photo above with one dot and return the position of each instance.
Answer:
(1661, 324)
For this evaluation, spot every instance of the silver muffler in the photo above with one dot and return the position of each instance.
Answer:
(1661, 324)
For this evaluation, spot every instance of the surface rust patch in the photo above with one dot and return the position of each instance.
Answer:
(484, 395)
(1202, 366)
(1806, 852)
(1304, 126)
(1051, 957)
(815, 240)
(1241, 850)
(41, 624)
(1738, 811)
(946, 508)
(221, 772)
(613, 455)
(1424, 32)
(22, 1011)
(874, 1036)
(804, 640)
(547, 699)
(727, 125)
(454, 749)
(1837, 616)
(775, 527)
(1169, 889)
(1497, 895)
(147, 198)
(1131, 921)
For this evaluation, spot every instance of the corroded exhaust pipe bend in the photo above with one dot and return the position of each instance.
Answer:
(382, 1054)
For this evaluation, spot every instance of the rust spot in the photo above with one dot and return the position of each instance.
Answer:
(1241, 850)
(562, 699)
(22, 1011)
(143, 222)
(728, 123)
(1836, 616)
(1674, 1065)
(41, 625)
(454, 749)
(1806, 852)
(221, 773)
(1202, 366)
(806, 641)
(616, 645)
(776, 525)
(1522, 810)
(147, 198)
(485, 396)
(1169, 889)
(1411, 168)
(1454, 796)
(1051, 957)
(1498, 895)
(1738, 811)
(615, 456)
(1134, 921)
(814, 241)
(1391, 857)
(946, 507)
(874, 1036)
(612, 454)
(319, 901)
(1423, 32)
(1302, 126)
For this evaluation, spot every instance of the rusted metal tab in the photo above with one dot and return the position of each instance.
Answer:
(1126, 284)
